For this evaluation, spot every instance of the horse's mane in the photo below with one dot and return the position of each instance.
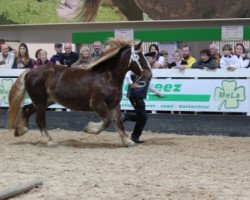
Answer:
(114, 47)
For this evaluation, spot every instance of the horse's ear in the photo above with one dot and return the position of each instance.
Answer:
(138, 46)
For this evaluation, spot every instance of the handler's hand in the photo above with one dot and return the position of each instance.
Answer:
(159, 94)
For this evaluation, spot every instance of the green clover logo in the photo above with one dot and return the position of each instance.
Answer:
(4, 90)
(229, 94)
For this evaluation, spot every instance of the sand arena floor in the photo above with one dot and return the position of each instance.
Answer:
(167, 166)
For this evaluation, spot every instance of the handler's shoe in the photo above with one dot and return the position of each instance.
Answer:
(137, 141)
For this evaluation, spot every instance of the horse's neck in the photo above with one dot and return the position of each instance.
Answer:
(120, 68)
(118, 74)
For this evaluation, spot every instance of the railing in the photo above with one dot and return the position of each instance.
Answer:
(191, 90)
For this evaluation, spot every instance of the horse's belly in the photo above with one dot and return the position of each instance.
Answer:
(77, 103)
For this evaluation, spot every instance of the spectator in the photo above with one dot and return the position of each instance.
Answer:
(178, 62)
(69, 57)
(43, 58)
(97, 46)
(84, 58)
(214, 53)
(23, 58)
(38, 61)
(187, 56)
(164, 53)
(241, 54)
(58, 57)
(228, 60)
(6, 58)
(206, 61)
(2, 41)
(156, 60)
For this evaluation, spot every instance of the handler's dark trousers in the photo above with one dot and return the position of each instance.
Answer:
(140, 117)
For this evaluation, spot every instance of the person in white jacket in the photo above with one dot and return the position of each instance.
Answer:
(6, 58)
(229, 61)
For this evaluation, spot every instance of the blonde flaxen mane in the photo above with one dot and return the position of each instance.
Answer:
(114, 46)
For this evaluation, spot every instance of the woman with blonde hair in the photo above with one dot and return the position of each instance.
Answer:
(84, 58)
(178, 62)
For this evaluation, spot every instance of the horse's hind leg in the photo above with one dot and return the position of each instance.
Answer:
(23, 124)
(41, 123)
(120, 128)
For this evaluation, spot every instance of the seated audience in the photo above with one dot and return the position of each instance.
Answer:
(206, 61)
(240, 52)
(23, 59)
(7, 58)
(214, 53)
(69, 57)
(228, 60)
(156, 60)
(178, 62)
(84, 58)
(58, 57)
(98, 52)
(186, 49)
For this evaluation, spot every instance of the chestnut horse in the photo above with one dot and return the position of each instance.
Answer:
(96, 88)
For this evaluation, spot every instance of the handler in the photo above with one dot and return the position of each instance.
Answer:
(137, 92)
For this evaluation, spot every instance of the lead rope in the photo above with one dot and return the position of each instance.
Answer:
(135, 57)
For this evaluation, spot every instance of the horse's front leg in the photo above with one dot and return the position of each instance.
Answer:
(96, 127)
(120, 128)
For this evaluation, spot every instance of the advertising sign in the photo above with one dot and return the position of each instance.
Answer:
(196, 95)
(232, 33)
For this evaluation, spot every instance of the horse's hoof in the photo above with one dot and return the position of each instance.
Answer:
(23, 130)
(51, 143)
(20, 131)
(91, 128)
(16, 133)
(128, 143)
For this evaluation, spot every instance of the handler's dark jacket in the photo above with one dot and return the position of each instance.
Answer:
(137, 93)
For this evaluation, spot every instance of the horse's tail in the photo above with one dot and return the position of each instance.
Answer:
(16, 96)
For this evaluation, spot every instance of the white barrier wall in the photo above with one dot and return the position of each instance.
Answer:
(189, 90)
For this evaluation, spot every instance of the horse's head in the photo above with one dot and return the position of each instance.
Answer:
(139, 64)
